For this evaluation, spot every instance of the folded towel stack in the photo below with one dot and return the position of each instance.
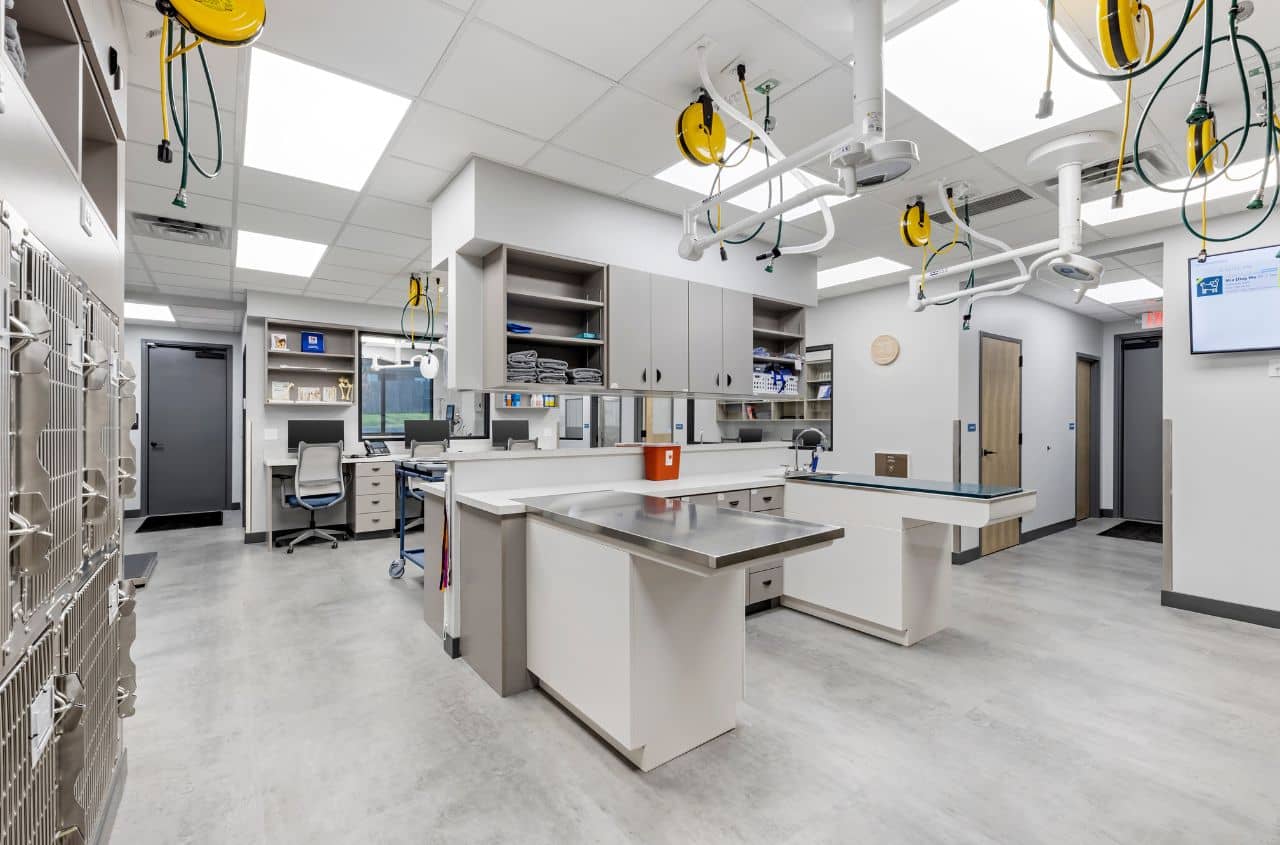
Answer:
(552, 377)
(522, 367)
(587, 375)
(13, 44)
(552, 364)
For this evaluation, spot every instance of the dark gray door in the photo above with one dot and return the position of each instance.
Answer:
(185, 427)
(1141, 391)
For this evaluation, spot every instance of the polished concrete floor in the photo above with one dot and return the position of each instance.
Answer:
(301, 700)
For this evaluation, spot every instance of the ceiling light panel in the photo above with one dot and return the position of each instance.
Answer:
(1118, 293)
(985, 93)
(685, 174)
(148, 312)
(1150, 201)
(868, 268)
(273, 254)
(312, 124)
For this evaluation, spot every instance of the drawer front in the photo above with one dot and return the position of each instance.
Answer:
(708, 499)
(366, 522)
(738, 500)
(767, 499)
(386, 469)
(376, 503)
(368, 485)
(762, 586)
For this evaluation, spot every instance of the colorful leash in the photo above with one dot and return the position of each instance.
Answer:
(446, 569)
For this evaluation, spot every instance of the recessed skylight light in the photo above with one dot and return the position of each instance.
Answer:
(316, 125)
(688, 175)
(273, 254)
(868, 268)
(147, 312)
(948, 68)
(1119, 293)
(1150, 201)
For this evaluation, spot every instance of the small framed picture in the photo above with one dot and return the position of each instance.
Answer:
(313, 342)
(824, 391)
(280, 342)
(331, 394)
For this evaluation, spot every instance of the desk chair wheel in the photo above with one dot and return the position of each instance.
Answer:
(334, 545)
(289, 551)
(396, 569)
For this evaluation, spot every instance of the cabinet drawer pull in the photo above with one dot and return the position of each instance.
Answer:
(735, 503)
(768, 498)
(768, 583)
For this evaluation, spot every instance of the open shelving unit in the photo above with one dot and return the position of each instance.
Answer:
(780, 416)
(559, 299)
(290, 364)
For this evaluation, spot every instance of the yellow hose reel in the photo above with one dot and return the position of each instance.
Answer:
(1201, 138)
(916, 226)
(1119, 32)
(232, 23)
(700, 132)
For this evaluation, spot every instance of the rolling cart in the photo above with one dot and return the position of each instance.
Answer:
(406, 472)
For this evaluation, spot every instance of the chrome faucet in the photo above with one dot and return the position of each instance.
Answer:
(798, 443)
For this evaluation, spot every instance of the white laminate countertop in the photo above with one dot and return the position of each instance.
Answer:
(502, 502)
(504, 455)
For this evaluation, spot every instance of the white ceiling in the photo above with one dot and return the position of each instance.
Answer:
(585, 91)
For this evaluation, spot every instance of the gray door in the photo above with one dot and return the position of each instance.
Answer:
(706, 339)
(669, 329)
(737, 341)
(1140, 435)
(185, 429)
(628, 336)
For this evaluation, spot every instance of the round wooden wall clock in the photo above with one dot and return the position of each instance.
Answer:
(885, 350)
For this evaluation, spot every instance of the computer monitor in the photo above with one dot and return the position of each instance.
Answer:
(504, 430)
(425, 431)
(750, 435)
(315, 431)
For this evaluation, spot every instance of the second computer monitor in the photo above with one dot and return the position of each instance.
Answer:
(504, 430)
(750, 435)
(425, 431)
(315, 431)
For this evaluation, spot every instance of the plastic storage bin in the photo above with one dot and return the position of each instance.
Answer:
(661, 461)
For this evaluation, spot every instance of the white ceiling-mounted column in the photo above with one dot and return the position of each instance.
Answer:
(868, 69)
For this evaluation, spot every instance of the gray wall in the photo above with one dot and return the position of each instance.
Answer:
(134, 334)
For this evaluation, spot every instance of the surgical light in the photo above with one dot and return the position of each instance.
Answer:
(947, 68)
(868, 268)
(1119, 293)
(274, 254)
(316, 125)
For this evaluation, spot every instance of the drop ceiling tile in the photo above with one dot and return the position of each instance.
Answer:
(180, 251)
(192, 284)
(471, 81)
(132, 261)
(258, 280)
(362, 260)
(630, 129)
(829, 23)
(184, 267)
(740, 32)
(390, 216)
(609, 38)
(150, 199)
(285, 224)
(349, 275)
(813, 110)
(141, 166)
(143, 61)
(272, 190)
(445, 139)
(144, 128)
(375, 240)
(580, 170)
(406, 181)
(393, 44)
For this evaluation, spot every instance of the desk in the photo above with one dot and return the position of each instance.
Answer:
(370, 502)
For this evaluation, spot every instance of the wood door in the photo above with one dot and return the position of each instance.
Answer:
(1084, 438)
(1000, 428)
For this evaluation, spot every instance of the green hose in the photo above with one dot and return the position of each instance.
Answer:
(182, 127)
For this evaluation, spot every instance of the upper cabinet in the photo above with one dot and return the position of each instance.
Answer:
(102, 30)
(719, 340)
(648, 331)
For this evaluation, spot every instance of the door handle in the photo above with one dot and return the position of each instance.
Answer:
(658, 376)
(155, 445)
(717, 379)
(644, 375)
(728, 380)
(986, 452)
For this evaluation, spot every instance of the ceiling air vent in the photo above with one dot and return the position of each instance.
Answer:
(1099, 180)
(985, 205)
(180, 231)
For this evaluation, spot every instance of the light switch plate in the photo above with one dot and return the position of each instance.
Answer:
(86, 216)
(1273, 368)
(271, 434)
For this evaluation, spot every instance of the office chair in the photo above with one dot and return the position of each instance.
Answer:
(317, 484)
(751, 435)
(422, 449)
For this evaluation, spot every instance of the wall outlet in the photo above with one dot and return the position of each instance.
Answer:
(86, 216)
(1273, 368)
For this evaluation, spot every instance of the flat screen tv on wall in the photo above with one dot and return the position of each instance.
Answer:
(1235, 302)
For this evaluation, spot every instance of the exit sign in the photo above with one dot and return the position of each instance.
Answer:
(1153, 319)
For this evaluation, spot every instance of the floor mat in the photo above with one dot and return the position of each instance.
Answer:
(138, 567)
(1150, 532)
(174, 521)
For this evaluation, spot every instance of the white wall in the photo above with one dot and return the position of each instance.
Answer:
(1225, 532)
(908, 406)
(1052, 337)
(134, 335)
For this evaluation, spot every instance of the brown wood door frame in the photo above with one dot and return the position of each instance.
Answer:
(982, 420)
(1095, 433)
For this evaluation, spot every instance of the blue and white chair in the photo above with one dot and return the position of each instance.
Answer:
(317, 483)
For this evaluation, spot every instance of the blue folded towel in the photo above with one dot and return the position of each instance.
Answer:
(519, 328)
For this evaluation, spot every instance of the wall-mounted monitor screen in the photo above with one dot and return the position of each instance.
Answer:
(1235, 302)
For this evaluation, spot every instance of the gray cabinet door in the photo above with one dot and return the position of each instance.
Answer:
(669, 327)
(706, 339)
(738, 341)
(628, 336)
